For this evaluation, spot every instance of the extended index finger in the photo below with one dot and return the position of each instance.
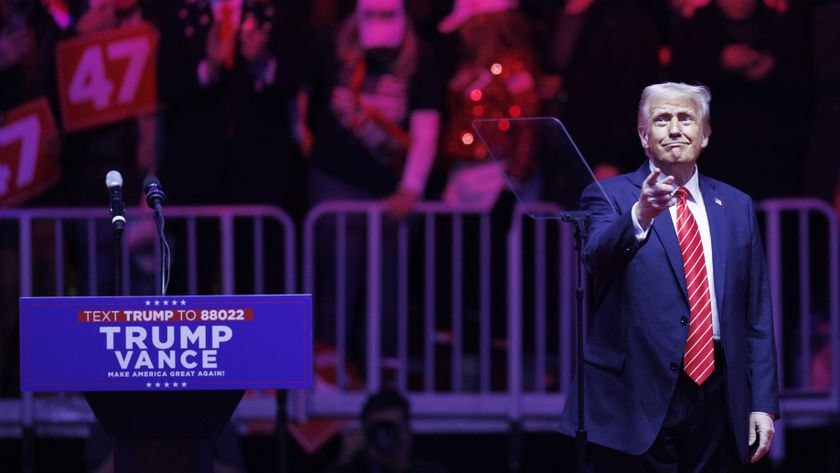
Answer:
(652, 177)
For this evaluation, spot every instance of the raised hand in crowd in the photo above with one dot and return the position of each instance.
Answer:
(100, 16)
(399, 204)
(745, 60)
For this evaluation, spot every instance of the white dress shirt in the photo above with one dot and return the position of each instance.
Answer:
(698, 209)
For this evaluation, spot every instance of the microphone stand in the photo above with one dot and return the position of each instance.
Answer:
(158, 212)
(118, 261)
(580, 219)
(120, 448)
(155, 199)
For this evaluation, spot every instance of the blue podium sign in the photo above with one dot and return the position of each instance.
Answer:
(165, 343)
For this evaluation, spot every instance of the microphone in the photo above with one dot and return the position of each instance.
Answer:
(155, 197)
(114, 182)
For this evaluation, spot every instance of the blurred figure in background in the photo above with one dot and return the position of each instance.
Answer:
(16, 44)
(88, 155)
(127, 146)
(823, 158)
(751, 55)
(374, 120)
(228, 83)
(374, 117)
(496, 77)
(603, 52)
(384, 444)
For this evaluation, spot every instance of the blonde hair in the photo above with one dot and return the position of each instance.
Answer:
(699, 94)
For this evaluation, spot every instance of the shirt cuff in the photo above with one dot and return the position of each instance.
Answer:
(641, 233)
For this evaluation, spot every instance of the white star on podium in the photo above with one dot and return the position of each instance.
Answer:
(148, 385)
(183, 385)
(157, 303)
(157, 385)
(166, 385)
(148, 302)
(165, 302)
(183, 302)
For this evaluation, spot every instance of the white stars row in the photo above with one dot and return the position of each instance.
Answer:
(166, 385)
(166, 302)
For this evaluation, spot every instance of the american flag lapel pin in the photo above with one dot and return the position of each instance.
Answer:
(718, 201)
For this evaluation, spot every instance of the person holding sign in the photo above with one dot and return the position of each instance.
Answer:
(92, 89)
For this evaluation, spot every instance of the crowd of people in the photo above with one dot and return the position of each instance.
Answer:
(375, 100)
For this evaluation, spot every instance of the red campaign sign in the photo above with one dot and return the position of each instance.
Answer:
(28, 152)
(107, 76)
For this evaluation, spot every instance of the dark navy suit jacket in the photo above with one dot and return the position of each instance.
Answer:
(637, 332)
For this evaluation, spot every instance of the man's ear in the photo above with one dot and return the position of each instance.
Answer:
(705, 141)
(643, 137)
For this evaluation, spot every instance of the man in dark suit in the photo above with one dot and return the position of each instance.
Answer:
(680, 365)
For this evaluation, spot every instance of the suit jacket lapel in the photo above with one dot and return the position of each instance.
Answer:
(663, 228)
(716, 213)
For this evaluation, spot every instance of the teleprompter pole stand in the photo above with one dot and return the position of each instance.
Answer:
(580, 219)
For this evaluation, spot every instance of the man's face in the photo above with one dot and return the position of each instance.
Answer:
(674, 132)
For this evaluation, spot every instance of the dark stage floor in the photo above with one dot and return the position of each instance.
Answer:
(811, 451)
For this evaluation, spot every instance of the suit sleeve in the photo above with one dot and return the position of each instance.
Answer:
(761, 347)
(611, 242)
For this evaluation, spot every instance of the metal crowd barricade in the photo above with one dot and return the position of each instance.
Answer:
(801, 239)
(451, 343)
(805, 287)
(436, 275)
(76, 240)
(801, 242)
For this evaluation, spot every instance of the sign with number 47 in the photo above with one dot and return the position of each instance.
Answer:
(106, 77)
(28, 152)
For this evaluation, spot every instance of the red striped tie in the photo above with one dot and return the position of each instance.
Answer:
(699, 357)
